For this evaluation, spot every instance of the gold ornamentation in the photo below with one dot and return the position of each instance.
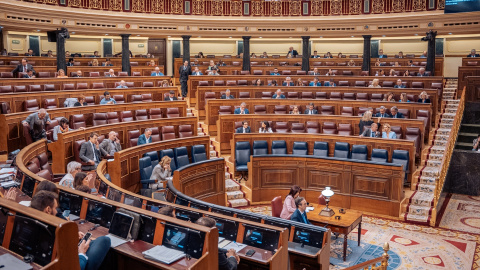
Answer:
(295, 8)
(236, 8)
(317, 7)
(75, 3)
(441, 4)
(377, 6)
(398, 5)
(52, 2)
(138, 5)
(336, 7)
(217, 7)
(276, 8)
(355, 7)
(97, 4)
(257, 8)
(177, 6)
(198, 7)
(115, 5)
(418, 5)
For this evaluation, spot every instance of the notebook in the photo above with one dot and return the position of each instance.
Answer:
(120, 227)
(163, 254)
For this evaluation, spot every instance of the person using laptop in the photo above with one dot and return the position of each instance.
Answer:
(90, 253)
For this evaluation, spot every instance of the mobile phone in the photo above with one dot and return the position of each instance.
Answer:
(250, 253)
(66, 213)
(85, 238)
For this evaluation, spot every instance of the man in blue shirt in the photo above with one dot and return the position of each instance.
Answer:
(107, 99)
(300, 215)
(315, 82)
(196, 72)
(157, 72)
(275, 72)
(145, 138)
(399, 84)
(278, 95)
(242, 109)
(122, 84)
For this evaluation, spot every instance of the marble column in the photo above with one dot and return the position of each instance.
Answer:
(186, 48)
(125, 53)
(246, 53)
(366, 52)
(305, 53)
(431, 52)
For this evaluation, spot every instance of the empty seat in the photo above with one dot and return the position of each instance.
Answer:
(173, 112)
(327, 110)
(6, 75)
(43, 74)
(98, 85)
(417, 84)
(244, 95)
(185, 131)
(300, 148)
(126, 116)
(266, 94)
(219, 83)
(362, 96)
(50, 103)
(99, 119)
(313, 127)
(68, 86)
(242, 157)
(301, 72)
(146, 169)
(203, 83)
(348, 111)
(260, 109)
(94, 74)
(5, 108)
(279, 148)
(119, 99)
(359, 152)
(342, 150)
(335, 95)
(155, 134)
(343, 83)
(401, 157)
(286, 72)
(147, 97)
(198, 153)
(77, 121)
(168, 133)
(141, 114)
(345, 129)
(136, 98)
(30, 105)
(360, 83)
(153, 157)
(397, 130)
(81, 86)
(280, 109)
(307, 95)
(413, 133)
(169, 153)
(260, 148)
(298, 128)
(209, 95)
(147, 84)
(320, 149)
(225, 110)
(132, 137)
(242, 82)
(231, 83)
(281, 127)
(155, 113)
(349, 96)
(122, 74)
(377, 97)
(181, 156)
(379, 155)
(405, 112)
(112, 118)
(292, 94)
(20, 88)
(6, 89)
(388, 84)
(35, 88)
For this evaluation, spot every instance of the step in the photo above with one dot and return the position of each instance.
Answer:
(199, 129)
(421, 198)
(419, 210)
(431, 171)
(213, 153)
(437, 150)
(415, 218)
(238, 203)
(427, 180)
(426, 188)
(433, 163)
(234, 195)
(189, 110)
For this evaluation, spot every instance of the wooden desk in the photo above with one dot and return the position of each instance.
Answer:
(463, 73)
(348, 221)
(52, 61)
(6, 251)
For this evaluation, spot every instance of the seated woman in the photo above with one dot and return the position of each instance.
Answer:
(200, 55)
(375, 84)
(161, 172)
(388, 133)
(152, 63)
(82, 178)
(423, 98)
(300, 82)
(61, 74)
(62, 128)
(265, 128)
(81, 101)
(365, 121)
(258, 82)
(253, 55)
(389, 97)
(273, 83)
(378, 63)
(406, 73)
(94, 63)
(289, 203)
(403, 98)
(295, 110)
(73, 168)
(392, 73)
(351, 63)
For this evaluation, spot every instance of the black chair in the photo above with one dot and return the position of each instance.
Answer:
(320, 149)
(153, 157)
(242, 157)
(260, 148)
(342, 150)
(379, 155)
(181, 156)
(145, 166)
(401, 157)
(279, 148)
(169, 152)
(198, 153)
(300, 148)
(359, 152)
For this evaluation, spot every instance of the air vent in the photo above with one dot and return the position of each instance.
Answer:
(337, 29)
(460, 24)
(157, 28)
(276, 29)
(397, 27)
(97, 25)
(216, 29)
(28, 19)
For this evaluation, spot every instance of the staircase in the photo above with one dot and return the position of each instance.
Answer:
(466, 135)
(421, 205)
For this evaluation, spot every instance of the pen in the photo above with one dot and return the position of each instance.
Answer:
(235, 243)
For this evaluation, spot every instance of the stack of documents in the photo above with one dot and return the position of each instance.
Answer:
(163, 254)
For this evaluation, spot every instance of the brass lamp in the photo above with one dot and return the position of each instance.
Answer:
(327, 212)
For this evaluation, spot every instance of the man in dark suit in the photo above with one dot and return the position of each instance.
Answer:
(275, 72)
(288, 82)
(23, 67)
(227, 95)
(383, 113)
(473, 53)
(242, 109)
(30, 53)
(78, 74)
(372, 132)
(292, 52)
(278, 95)
(90, 152)
(399, 84)
(300, 215)
(184, 71)
(311, 109)
(315, 55)
(396, 113)
(315, 72)
(244, 128)
(381, 55)
(171, 96)
(70, 62)
(421, 72)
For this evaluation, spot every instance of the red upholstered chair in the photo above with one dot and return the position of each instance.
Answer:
(50, 103)
(155, 113)
(43, 74)
(112, 118)
(5, 108)
(45, 174)
(277, 206)
(173, 112)
(362, 96)
(94, 74)
(20, 88)
(33, 167)
(119, 99)
(258, 72)
(231, 83)
(147, 84)
(26, 133)
(99, 119)
(141, 114)
(136, 98)
(242, 83)
(329, 128)
(6, 75)
(260, 109)
(321, 200)
(209, 95)
(313, 127)
(134, 64)
(126, 116)
(349, 96)
(307, 95)
(203, 83)
(82, 86)
(345, 129)
(347, 111)
(68, 86)
(267, 95)
(225, 110)
(98, 85)
(168, 133)
(417, 84)
(281, 127)
(155, 134)
(122, 74)
(413, 133)
(244, 72)
(244, 95)
(49, 129)
(136, 73)
(35, 88)
(316, 64)
(235, 63)
(327, 110)
(405, 112)
(280, 109)
(30, 105)
(147, 97)
(185, 131)
(361, 111)
(321, 95)
(43, 159)
(132, 137)
(347, 73)
(377, 97)
(6, 89)
(77, 121)
(90, 100)
(219, 83)
(301, 72)
(292, 94)
(335, 95)
(298, 128)
(388, 84)
(360, 83)
(130, 84)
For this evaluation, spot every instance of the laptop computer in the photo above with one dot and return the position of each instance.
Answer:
(119, 232)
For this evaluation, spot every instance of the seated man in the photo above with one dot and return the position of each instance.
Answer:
(29, 74)
(330, 83)
(244, 128)
(269, 63)
(157, 72)
(23, 67)
(473, 53)
(315, 72)
(30, 53)
(122, 84)
(315, 54)
(300, 215)
(38, 122)
(424, 54)
(311, 109)
(421, 72)
(275, 72)
(315, 82)
(108, 99)
(399, 84)
(288, 82)
(264, 55)
(107, 63)
(396, 113)
(242, 109)
(227, 95)
(90, 152)
(400, 54)
(111, 73)
(291, 53)
(383, 113)
(78, 74)
(196, 72)
(381, 55)
(109, 146)
(146, 137)
(372, 132)
(278, 95)
(70, 62)
(213, 72)
(91, 253)
(171, 96)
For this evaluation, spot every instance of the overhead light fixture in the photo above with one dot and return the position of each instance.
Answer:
(138, 35)
(449, 33)
(106, 34)
(260, 37)
(73, 33)
(383, 35)
(38, 30)
(416, 34)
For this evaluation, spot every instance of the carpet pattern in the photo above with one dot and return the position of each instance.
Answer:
(462, 214)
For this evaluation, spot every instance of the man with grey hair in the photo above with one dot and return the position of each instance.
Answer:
(421, 72)
(383, 113)
(300, 215)
(396, 113)
(145, 138)
(72, 168)
(278, 95)
(288, 82)
(38, 122)
(109, 146)
(227, 95)
(122, 84)
(242, 109)
(111, 73)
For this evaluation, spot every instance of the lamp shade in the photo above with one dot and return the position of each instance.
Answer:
(327, 192)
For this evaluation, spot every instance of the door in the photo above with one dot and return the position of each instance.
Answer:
(158, 47)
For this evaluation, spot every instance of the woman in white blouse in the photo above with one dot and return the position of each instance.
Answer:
(265, 128)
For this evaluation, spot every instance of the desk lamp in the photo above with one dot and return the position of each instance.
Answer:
(327, 212)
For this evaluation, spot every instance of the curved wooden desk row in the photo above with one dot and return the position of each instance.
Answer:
(463, 73)
(293, 70)
(63, 149)
(52, 61)
(60, 254)
(52, 70)
(124, 168)
(16, 100)
(151, 230)
(108, 82)
(228, 123)
(364, 186)
(194, 81)
(213, 106)
(12, 137)
(371, 143)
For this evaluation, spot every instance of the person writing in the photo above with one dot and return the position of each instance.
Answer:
(161, 171)
(289, 203)
(299, 214)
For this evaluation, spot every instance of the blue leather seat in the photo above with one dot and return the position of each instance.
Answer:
(181, 156)
(320, 149)
(108, 177)
(401, 157)
(359, 152)
(169, 153)
(198, 153)
(300, 148)
(260, 148)
(379, 155)
(279, 148)
(242, 157)
(145, 166)
(342, 150)
(153, 157)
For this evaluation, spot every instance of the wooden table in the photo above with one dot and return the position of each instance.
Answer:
(345, 225)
